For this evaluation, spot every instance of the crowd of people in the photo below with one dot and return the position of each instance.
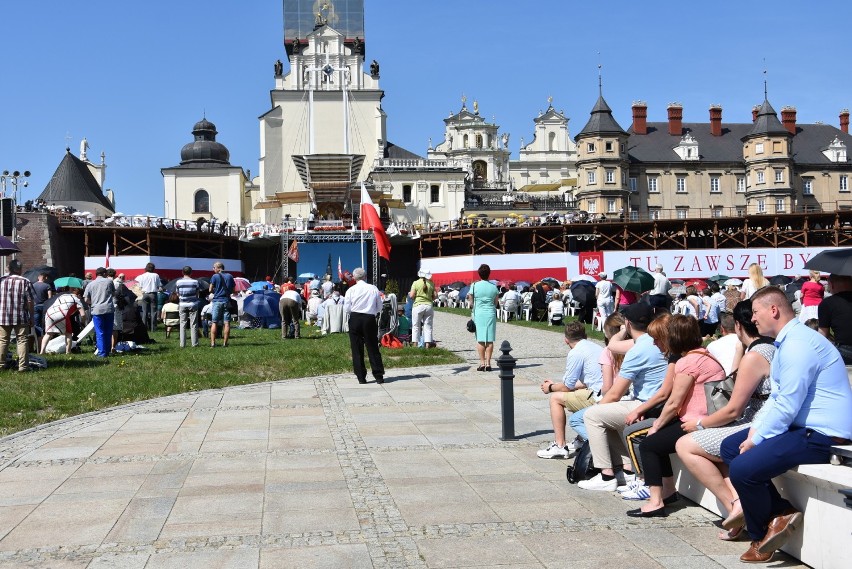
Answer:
(653, 390)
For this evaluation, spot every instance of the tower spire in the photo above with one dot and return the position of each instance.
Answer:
(600, 76)
(765, 88)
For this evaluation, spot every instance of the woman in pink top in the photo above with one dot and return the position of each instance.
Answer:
(812, 293)
(624, 297)
(686, 403)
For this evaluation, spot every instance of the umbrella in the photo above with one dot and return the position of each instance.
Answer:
(522, 284)
(241, 283)
(32, 274)
(791, 288)
(464, 291)
(583, 292)
(587, 278)
(780, 280)
(263, 304)
(203, 284)
(677, 281)
(718, 278)
(458, 285)
(259, 285)
(7, 247)
(633, 279)
(677, 290)
(505, 283)
(697, 283)
(551, 280)
(733, 282)
(73, 282)
(834, 261)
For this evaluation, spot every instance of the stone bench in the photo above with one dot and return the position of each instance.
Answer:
(826, 533)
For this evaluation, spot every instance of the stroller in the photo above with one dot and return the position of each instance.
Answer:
(387, 318)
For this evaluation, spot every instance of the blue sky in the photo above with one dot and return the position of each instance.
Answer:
(133, 77)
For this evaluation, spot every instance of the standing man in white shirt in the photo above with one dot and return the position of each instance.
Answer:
(150, 283)
(658, 297)
(603, 296)
(363, 302)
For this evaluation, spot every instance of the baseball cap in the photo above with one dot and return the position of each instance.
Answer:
(639, 313)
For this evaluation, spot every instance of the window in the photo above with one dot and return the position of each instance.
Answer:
(623, 178)
(682, 212)
(609, 146)
(779, 205)
(740, 212)
(779, 176)
(758, 148)
(653, 213)
(591, 176)
(714, 185)
(590, 147)
(479, 141)
(593, 206)
(610, 176)
(653, 188)
(610, 205)
(808, 186)
(717, 212)
(202, 202)
(632, 184)
(466, 141)
(761, 177)
(434, 193)
(634, 215)
(740, 184)
(621, 146)
(761, 206)
(776, 147)
(681, 184)
(844, 183)
(406, 193)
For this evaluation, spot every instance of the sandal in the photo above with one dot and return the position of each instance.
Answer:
(733, 534)
(480, 368)
(487, 368)
(734, 519)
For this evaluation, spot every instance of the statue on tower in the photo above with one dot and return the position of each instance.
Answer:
(279, 68)
(357, 46)
(374, 69)
(84, 146)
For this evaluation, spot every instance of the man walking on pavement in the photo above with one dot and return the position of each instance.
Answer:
(16, 313)
(363, 302)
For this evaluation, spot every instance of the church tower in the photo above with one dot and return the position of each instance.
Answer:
(326, 126)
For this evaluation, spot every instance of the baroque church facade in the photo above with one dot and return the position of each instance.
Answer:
(325, 133)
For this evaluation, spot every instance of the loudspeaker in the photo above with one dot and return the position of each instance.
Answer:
(7, 216)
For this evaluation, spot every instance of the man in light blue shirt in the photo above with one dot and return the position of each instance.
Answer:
(580, 388)
(809, 411)
(643, 369)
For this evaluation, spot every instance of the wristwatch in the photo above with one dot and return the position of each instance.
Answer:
(550, 388)
(698, 425)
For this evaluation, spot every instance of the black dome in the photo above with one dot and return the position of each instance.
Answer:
(204, 149)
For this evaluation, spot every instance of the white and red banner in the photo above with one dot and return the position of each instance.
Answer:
(693, 263)
(167, 267)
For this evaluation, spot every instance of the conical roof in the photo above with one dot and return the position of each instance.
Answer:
(767, 123)
(74, 185)
(601, 121)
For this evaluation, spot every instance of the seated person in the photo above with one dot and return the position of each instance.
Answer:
(555, 309)
(170, 314)
(511, 301)
(581, 385)
(312, 310)
(643, 369)
(403, 325)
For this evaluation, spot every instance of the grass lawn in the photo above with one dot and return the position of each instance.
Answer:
(591, 332)
(79, 383)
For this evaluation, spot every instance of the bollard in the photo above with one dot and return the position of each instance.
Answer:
(506, 363)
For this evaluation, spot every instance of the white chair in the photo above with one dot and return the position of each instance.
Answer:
(573, 307)
(597, 320)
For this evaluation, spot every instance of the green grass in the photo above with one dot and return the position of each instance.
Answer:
(79, 383)
(591, 332)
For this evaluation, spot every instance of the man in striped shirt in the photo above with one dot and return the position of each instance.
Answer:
(16, 313)
(187, 289)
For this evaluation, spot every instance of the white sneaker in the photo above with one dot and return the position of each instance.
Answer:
(630, 486)
(554, 451)
(641, 492)
(598, 483)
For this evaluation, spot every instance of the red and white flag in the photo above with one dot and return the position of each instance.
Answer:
(293, 251)
(106, 258)
(339, 269)
(370, 221)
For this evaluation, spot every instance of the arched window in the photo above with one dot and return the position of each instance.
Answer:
(466, 142)
(551, 141)
(202, 202)
(479, 141)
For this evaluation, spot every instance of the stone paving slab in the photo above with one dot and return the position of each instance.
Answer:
(322, 472)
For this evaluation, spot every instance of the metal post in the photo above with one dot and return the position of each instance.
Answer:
(506, 363)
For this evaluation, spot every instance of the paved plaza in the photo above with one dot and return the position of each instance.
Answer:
(323, 472)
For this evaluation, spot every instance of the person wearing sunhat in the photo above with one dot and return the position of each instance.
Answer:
(422, 313)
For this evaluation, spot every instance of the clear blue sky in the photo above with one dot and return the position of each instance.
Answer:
(133, 77)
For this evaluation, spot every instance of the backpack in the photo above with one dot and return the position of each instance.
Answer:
(391, 341)
(583, 467)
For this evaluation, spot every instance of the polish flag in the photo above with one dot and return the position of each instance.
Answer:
(106, 258)
(370, 221)
(339, 269)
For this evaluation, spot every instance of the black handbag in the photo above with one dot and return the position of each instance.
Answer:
(471, 325)
(583, 467)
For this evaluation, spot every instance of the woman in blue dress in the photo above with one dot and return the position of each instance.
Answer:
(484, 314)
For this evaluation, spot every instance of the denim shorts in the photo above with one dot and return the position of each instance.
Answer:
(219, 312)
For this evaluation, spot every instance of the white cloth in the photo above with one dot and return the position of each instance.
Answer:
(333, 318)
(149, 282)
(363, 298)
(724, 349)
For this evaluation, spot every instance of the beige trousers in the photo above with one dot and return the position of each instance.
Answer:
(576, 400)
(23, 345)
(605, 424)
